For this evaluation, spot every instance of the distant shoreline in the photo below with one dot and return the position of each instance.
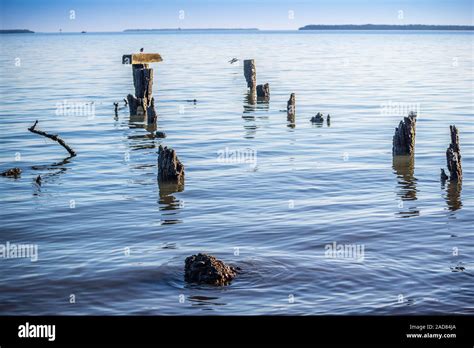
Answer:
(195, 29)
(16, 31)
(385, 27)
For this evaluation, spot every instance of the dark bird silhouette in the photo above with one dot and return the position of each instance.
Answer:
(141, 49)
(233, 60)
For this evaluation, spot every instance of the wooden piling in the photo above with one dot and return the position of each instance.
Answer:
(250, 73)
(404, 137)
(291, 109)
(170, 168)
(453, 155)
(143, 103)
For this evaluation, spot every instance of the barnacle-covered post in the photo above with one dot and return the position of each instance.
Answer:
(404, 137)
(453, 155)
(291, 110)
(170, 168)
(143, 103)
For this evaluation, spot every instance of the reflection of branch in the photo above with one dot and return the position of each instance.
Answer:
(52, 137)
(56, 164)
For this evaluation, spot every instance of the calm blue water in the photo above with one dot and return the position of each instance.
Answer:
(110, 236)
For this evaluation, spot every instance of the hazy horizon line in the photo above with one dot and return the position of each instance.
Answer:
(236, 28)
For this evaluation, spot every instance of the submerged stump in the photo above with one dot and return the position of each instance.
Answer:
(318, 118)
(206, 269)
(404, 137)
(13, 173)
(170, 168)
(453, 155)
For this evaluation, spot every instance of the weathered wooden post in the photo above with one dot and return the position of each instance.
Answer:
(453, 155)
(404, 137)
(143, 103)
(250, 73)
(170, 168)
(291, 110)
(260, 91)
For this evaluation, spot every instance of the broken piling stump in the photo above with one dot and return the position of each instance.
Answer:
(291, 109)
(206, 269)
(318, 118)
(13, 173)
(453, 155)
(170, 168)
(404, 137)
(143, 103)
(263, 92)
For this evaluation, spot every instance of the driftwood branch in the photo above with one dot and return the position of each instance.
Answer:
(52, 137)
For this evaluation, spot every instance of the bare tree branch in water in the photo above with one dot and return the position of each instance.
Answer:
(52, 137)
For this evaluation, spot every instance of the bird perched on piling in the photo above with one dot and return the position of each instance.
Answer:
(141, 49)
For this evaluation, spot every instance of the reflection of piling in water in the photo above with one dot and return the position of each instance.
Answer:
(453, 155)
(251, 99)
(291, 110)
(166, 190)
(404, 137)
(404, 167)
(453, 195)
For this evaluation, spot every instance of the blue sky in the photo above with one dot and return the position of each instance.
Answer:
(116, 15)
